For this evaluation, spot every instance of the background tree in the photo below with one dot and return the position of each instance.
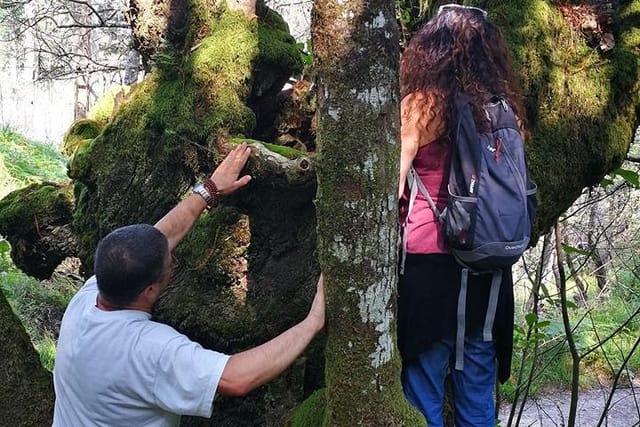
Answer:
(73, 38)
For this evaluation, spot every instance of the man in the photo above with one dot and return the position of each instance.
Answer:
(116, 367)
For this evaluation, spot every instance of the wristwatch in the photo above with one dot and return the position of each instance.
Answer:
(200, 189)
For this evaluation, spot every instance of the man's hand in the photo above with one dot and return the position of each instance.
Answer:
(251, 368)
(179, 220)
(225, 177)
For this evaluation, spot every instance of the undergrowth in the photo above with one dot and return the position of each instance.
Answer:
(23, 162)
(605, 330)
(38, 304)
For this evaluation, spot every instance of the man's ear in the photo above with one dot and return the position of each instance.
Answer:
(151, 292)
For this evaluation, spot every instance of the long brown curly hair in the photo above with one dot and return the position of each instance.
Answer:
(460, 51)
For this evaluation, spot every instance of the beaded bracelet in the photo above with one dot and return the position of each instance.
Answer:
(212, 189)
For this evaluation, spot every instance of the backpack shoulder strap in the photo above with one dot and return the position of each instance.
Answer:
(425, 193)
(415, 184)
(500, 114)
(412, 177)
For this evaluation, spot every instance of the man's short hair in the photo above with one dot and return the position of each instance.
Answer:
(128, 260)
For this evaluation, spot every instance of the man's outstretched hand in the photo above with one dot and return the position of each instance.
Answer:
(317, 311)
(225, 177)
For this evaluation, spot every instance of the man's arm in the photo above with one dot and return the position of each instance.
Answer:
(179, 220)
(250, 369)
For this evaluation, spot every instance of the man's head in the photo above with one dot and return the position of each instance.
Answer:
(128, 260)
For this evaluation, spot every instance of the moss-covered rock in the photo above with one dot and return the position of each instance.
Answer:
(246, 269)
(79, 134)
(36, 221)
(103, 110)
(26, 387)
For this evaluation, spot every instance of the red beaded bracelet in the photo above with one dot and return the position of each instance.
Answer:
(212, 189)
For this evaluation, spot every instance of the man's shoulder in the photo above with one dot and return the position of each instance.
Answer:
(158, 335)
(84, 296)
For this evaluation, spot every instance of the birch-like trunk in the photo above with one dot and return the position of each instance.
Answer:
(357, 52)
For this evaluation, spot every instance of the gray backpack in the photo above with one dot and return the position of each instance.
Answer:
(491, 204)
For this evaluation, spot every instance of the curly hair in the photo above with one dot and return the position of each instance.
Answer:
(457, 52)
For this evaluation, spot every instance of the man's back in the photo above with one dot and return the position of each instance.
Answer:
(120, 368)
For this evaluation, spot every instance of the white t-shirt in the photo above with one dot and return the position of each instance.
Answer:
(119, 368)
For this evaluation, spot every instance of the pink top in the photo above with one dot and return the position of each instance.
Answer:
(424, 232)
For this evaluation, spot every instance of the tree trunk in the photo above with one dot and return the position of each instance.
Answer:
(26, 387)
(358, 164)
(595, 237)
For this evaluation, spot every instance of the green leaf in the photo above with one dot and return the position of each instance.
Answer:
(531, 318)
(538, 336)
(606, 182)
(571, 304)
(543, 324)
(628, 175)
(5, 247)
(573, 250)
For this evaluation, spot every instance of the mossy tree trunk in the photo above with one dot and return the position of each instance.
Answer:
(26, 387)
(357, 51)
(246, 271)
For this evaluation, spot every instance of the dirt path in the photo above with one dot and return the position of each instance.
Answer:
(552, 409)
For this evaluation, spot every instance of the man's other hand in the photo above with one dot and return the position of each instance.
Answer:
(317, 310)
(225, 177)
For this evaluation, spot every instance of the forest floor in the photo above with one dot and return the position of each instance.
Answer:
(552, 408)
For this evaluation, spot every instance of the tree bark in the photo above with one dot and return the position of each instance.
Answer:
(358, 135)
(26, 387)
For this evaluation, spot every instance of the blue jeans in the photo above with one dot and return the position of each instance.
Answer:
(423, 383)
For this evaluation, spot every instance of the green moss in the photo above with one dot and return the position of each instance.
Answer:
(202, 20)
(105, 108)
(310, 413)
(276, 46)
(211, 254)
(288, 152)
(162, 133)
(28, 217)
(80, 133)
(46, 200)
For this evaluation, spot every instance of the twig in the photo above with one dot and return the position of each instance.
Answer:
(575, 357)
(615, 381)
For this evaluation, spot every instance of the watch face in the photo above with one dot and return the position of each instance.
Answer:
(199, 189)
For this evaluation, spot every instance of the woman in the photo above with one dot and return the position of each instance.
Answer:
(457, 52)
